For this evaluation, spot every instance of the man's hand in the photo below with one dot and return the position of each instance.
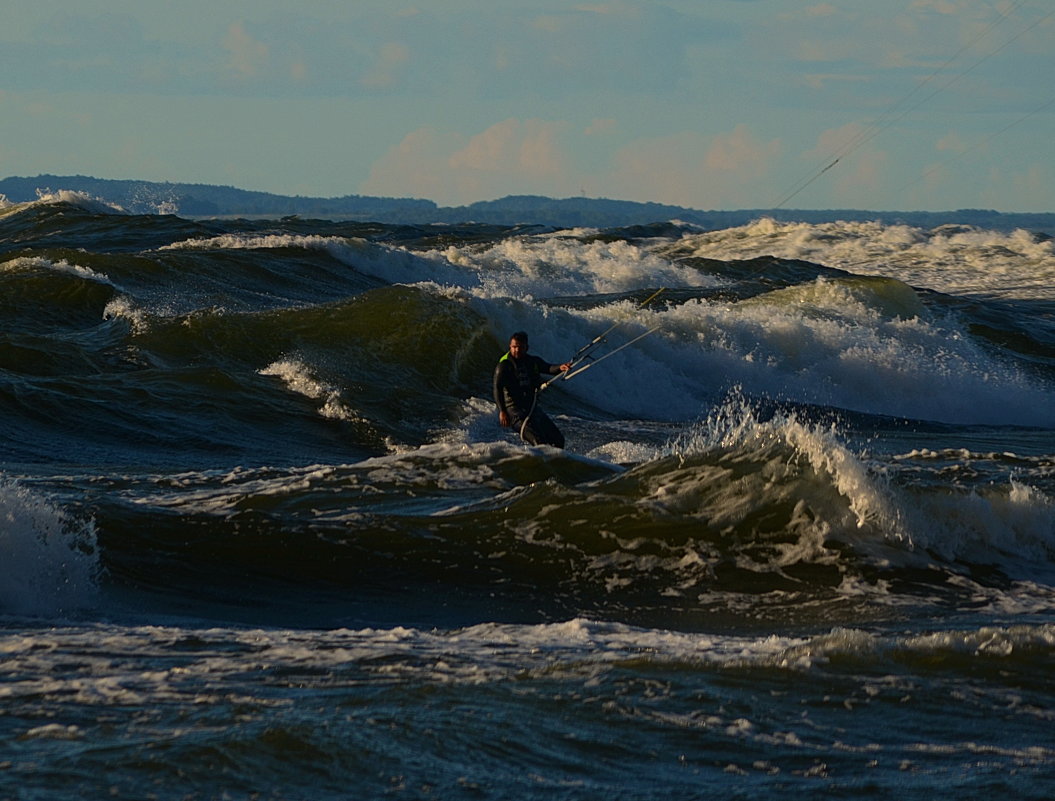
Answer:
(503, 419)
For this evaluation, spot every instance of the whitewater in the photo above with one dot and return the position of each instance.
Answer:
(261, 534)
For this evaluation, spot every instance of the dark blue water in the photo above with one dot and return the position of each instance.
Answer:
(262, 537)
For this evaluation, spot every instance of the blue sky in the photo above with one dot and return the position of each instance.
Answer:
(711, 104)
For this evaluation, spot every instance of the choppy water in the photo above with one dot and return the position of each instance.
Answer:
(261, 535)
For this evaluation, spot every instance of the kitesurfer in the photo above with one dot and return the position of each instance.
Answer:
(517, 381)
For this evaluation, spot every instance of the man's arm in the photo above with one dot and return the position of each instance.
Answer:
(553, 369)
(500, 395)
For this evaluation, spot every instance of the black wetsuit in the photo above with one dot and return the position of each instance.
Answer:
(515, 383)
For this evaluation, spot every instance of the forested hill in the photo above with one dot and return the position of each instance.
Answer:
(206, 200)
(203, 200)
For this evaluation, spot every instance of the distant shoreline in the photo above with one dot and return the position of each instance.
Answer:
(212, 201)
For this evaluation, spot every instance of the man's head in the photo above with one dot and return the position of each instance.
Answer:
(518, 344)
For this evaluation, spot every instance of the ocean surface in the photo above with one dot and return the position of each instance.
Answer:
(261, 535)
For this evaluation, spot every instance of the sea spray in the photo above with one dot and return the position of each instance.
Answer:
(48, 560)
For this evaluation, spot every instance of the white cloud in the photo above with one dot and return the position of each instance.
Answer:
(938, 6)
(392, 56)
(740, 152)
(608, 8)
(414, 167)
(953, 142)
(601, 126)
(821, 81)
(856, 170)
(510, 157)
(527, 146)
(934, 177)
(821, 10)
(548, 23)
(533, 156)
(1035, 180)
(248, 57)
(689, 169)
(834, 141)
(862, 174)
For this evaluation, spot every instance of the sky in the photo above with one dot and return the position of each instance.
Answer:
(708, 104)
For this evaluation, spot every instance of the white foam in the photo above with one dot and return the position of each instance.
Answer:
(865, 344)
(23, 263)
(483, 653)
(562, 265)
(299, 378)
(987, 642)
(870, 506)
(578, 649)
(55, 731)
(960, 260)
(477, 422)
(223, 492)
(48, 561)
(1012, 525)
(257, 242)
(859, 343)
(123, 308)
(826, 344)
(868, 347)
(623, 452)
(83, 201)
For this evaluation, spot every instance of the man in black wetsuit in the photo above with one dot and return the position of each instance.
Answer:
(517, 379)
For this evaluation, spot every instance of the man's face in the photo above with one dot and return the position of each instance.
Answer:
(517, 348)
